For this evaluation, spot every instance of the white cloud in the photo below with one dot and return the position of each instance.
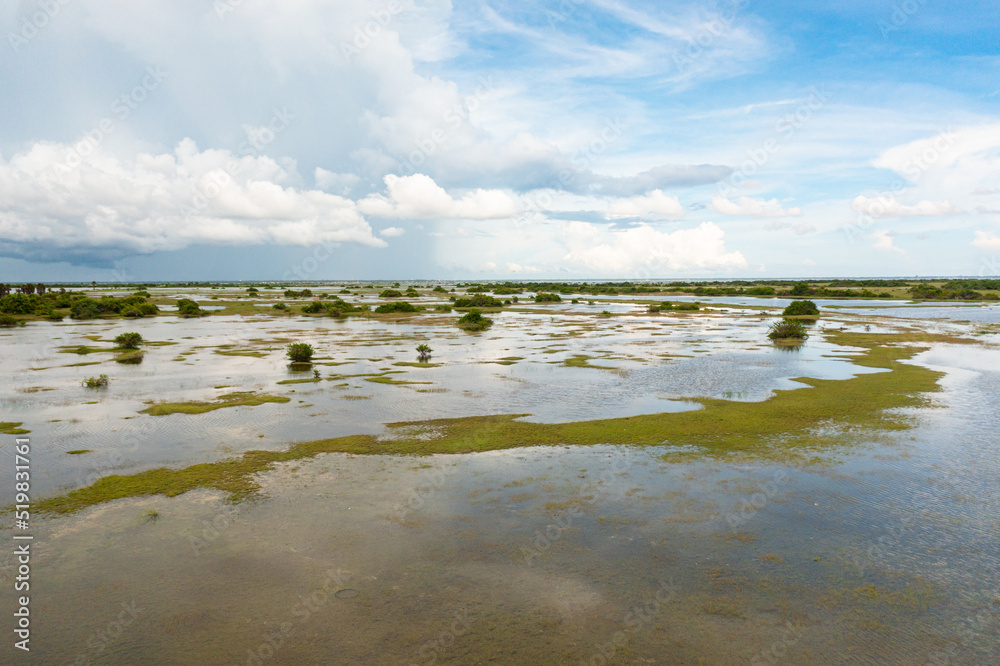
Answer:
(884, 241)
(100, 207)
(338, 183)
(753, 207)
(518, 268)
(419, 197)
(888, 206)
(390, 232)
(655, 204)
(622, 252)
(987, 239)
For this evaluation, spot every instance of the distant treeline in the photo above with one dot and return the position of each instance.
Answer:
(48, 304)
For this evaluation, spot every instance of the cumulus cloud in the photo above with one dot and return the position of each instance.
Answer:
(622, 252)
(751, 207)
(884, 241)
(419, 197)
(886, 206)
(656, 203)
(391, 232)
(59, 205)
(987, 240)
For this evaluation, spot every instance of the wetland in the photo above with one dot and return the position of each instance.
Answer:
(593, 479)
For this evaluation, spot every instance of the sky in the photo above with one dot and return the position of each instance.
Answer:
(563, 139)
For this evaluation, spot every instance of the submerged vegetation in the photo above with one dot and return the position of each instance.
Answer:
(787, 329)
(792, 422)
(96, 382)
(238, 399)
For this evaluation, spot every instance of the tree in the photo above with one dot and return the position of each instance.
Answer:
(801, 309)
(188, 308)
(299, 352)
(129, 341)
(424, 351)
(473, 320)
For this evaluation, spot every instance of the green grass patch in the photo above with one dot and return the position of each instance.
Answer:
(12, 428)
(239, 399)
(583, 361)
(308, 380)
(382, 379)
(78, 452)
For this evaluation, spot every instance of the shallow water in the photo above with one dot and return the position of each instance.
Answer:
(889, 552)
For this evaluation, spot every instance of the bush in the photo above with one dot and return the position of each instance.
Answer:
(443, 307)
(401, 306)
(787, 329)
(440, 289)
(299, 352)
(548, 298)
(313, 308)
(801, 309)
(6, 321)
(96, 382)
(279, 306)
(147, 309)
(473, 320)
(687, 307)
(390, 293)
(129, 341)
(84, 308)
(479, 301)
(188, 308)
(424, 351)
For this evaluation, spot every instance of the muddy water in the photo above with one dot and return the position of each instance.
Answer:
(887, 552)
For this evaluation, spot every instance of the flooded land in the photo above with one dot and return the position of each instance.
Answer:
(586, 481)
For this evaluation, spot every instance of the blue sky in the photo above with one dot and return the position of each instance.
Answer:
(200, 139)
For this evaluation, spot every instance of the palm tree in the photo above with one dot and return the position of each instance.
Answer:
(424, 351)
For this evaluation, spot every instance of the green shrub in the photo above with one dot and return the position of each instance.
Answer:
(188, 308)
(85, 308)
(128, 341)
(299, 352)
(390, 293)
(6, 321)
(424, 351)
(479, 301)
(801, 309)
(440, 289)
(473, 320)
(279, 306)
(401, 306)
(687, 307)
(787, 329)
(96, 382)
(443, 307)
(147, 309)
(313, 308)
(548, 298)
